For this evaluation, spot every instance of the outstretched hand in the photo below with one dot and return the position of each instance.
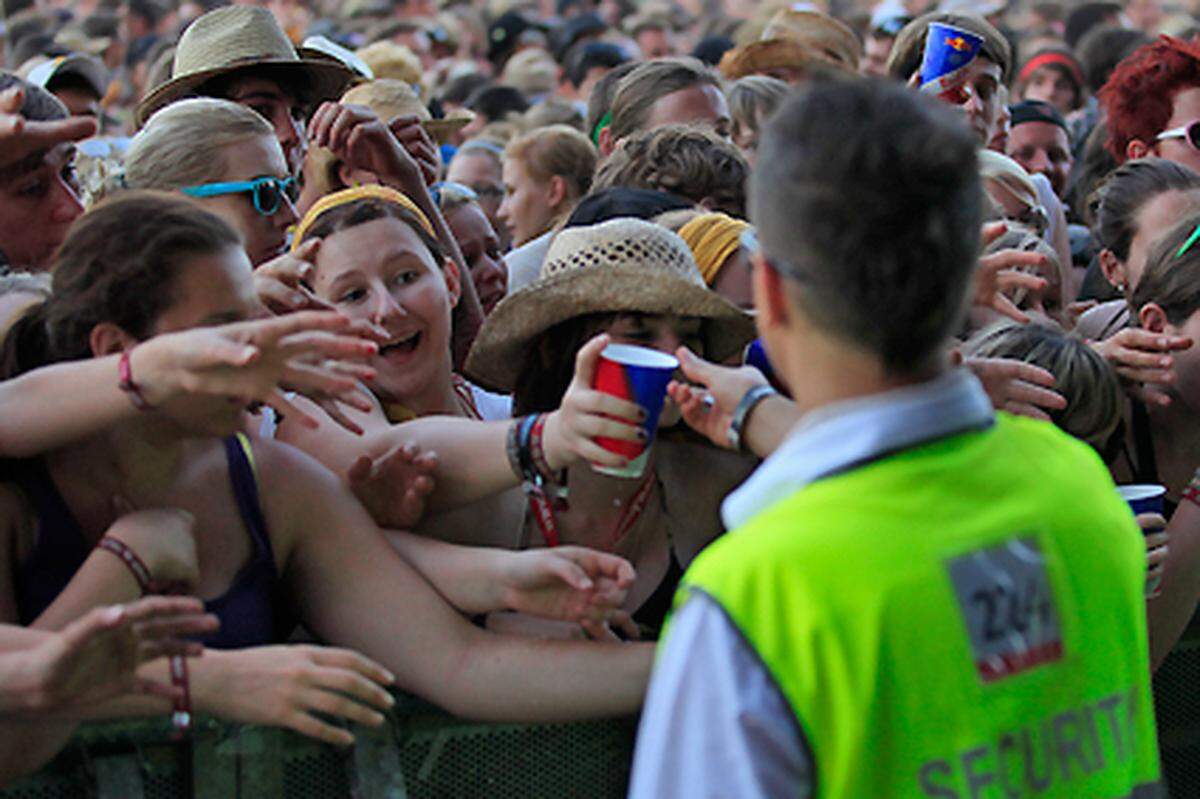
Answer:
(21, 137)
(568, 583)
(395, 486)
(714, 392)
(998, 274)
(317, 354)
(96, 657)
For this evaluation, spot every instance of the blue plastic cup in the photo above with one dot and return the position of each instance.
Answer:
(1143, 497)
(639, 375)
(948, 50)
(1146, 498)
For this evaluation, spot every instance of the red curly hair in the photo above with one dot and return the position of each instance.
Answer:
(1138, 97)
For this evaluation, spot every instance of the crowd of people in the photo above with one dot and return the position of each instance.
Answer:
(303, 311)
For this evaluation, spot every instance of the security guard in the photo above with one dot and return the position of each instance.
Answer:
(918, 597)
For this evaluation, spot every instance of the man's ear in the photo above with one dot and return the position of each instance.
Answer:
(770, 295)
(109, 339)
(606, 142)
(454, 280)
(1153, 318)
(1136, 148)
(556, 191)
(1114, 270)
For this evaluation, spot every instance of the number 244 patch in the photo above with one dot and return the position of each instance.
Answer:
(1008, 607)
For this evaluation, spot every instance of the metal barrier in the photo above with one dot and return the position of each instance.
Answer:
(1177, 711)
(421, 753)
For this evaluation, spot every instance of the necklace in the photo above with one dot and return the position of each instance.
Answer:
(542, 509)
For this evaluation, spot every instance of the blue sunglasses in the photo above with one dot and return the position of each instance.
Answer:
(266, 192)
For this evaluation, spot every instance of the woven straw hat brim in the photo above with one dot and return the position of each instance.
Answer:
(442, 129)
(521, 318)
(326, 80)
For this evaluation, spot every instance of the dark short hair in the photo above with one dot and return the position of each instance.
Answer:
(497, 102)
(1084, 18)
(875, 224)
(586, 56)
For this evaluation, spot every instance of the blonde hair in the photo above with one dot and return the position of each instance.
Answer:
(753, 98)
(531, 72)
(1012, 178)
(557, 151)
(184, 144)
(1081, 375)
(394, 61)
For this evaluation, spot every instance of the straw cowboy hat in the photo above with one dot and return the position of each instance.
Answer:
(623, 265)
(233, 38)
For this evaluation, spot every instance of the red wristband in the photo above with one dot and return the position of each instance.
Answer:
(125, 383)
(181, 718)
(1191, 494)
(136, 566)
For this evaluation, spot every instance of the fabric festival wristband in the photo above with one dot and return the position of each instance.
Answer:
(1192, 492)
(126, 383)
(181, 718)
(137, 567)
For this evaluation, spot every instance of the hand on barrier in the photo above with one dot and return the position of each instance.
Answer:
(285, 686)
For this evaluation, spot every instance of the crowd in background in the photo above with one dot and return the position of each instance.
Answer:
(301, 303)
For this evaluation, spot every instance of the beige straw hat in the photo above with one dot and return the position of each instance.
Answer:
(621, 265)
(233, 38)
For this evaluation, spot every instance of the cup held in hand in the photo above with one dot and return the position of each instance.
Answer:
(948, 50)
(1143, 497)
(639, 375)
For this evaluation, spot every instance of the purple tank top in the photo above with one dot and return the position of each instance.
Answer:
(252, 611)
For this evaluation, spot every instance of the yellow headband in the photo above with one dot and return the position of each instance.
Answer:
(712, 238)
(345, 196)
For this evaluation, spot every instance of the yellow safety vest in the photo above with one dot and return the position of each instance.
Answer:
(962, 619)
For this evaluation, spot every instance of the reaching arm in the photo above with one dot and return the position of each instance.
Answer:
(57, 405)
(389, 612)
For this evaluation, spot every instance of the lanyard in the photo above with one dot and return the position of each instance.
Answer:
(543, 512)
